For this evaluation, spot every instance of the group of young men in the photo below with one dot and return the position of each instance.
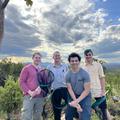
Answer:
(74, 82)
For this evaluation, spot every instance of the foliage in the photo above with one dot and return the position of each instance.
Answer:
(29, 2)
(113, 83)
(98, 60)
(2, 78)
(7, 67)
(113, 87)
(10, 96)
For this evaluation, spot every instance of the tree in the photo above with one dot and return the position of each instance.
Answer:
(2, 8)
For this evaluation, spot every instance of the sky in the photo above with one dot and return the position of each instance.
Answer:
(63, 25)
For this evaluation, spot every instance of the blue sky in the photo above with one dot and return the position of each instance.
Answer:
(62, 25)
(112, 8)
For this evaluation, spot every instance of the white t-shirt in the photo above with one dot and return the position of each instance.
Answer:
(59, 74)
(95, 71)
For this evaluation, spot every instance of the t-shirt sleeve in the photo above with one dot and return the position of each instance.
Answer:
(67, 77)
(100, 71)
(86, 77)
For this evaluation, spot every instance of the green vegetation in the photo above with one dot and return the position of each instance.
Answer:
(29, 2)
(8, 68)
(113, 83)
(11, 96)
(113, 87)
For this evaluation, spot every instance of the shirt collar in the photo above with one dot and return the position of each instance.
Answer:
(88, 63)
(56, 66)
(36, 66)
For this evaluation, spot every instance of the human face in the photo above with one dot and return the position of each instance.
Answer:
(36, 59)
(74, 62)
(56, 57)
(89, 57)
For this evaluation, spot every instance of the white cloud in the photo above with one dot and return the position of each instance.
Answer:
(119, 19)
(65, 25)
(104, 0)
(111, 32)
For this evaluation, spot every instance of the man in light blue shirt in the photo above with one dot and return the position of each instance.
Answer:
(59, 84)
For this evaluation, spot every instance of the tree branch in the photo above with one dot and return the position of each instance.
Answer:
(4, 4)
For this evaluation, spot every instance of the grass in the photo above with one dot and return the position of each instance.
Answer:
(2, 116)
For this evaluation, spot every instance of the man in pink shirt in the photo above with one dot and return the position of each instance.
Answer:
(33, 100)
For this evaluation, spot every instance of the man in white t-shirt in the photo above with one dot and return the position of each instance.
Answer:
(97, 78)
(59, 84)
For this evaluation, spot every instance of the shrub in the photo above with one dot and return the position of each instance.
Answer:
(10, 96)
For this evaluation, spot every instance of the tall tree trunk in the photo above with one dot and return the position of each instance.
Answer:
(2, 8)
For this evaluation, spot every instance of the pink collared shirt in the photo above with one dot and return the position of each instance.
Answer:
(28, 78)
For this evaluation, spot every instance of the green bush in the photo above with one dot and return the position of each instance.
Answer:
(10, 96)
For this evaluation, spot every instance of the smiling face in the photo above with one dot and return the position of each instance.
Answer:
(56, 57)
(36, 59)
(89, 57)
(74, 62)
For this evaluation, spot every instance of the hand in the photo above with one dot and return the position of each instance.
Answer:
(31, 93)
(76, 105)
(38, 90)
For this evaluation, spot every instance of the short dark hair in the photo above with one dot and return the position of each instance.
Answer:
(87, 51)
(36, 53)
(72, 55)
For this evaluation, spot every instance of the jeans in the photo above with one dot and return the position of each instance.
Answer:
(32, 108)
(85, 114)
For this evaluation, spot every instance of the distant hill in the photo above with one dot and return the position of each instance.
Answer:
(24, 60)
(112, 66)
(108, 66)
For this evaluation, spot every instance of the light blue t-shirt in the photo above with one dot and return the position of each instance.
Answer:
(77, 80)
(59, 74)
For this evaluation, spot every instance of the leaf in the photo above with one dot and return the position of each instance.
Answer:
(29, 2)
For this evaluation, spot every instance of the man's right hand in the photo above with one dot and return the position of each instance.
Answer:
(76, 105)
(31, 93)
(38, 90)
